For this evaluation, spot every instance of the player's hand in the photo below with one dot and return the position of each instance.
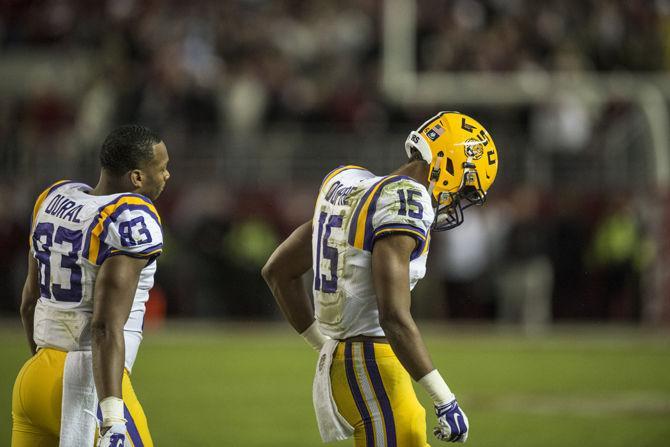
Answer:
(452, 423)
(113, 436)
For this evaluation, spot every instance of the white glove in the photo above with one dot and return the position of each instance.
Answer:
(113, 436)
(452, 423)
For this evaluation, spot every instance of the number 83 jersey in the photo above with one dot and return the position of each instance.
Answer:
(353, 210)
(72, 234)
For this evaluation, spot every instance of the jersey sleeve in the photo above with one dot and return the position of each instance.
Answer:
(129, 225)
(404, 207)
(135, 232)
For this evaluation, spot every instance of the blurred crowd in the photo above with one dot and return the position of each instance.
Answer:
(242, 66)
(231, 84)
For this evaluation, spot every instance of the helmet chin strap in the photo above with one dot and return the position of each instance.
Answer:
(468, 164)
(434, 175)
(468, 167)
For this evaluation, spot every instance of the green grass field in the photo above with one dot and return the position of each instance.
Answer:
(249, 385)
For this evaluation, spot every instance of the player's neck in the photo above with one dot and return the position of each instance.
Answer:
(108, 185)
(417, 169)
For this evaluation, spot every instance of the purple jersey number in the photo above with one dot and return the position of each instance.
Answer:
(43, 240)
(407, 202)
(321, 282)
(126, 232)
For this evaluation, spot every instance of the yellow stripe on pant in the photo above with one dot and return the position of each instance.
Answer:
(374, 393)
(37, 397)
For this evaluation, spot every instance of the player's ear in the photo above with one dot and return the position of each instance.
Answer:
(136, 178)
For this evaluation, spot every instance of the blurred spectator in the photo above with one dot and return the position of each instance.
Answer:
(618, 253)
(464, 255)
(248, 245)
(211, 268)
(568, 232)
(526, 277)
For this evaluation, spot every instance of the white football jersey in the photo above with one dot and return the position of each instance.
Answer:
(354, 209)
(72, 234)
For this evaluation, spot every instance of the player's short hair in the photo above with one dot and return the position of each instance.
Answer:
(416, 156)
(126, 148)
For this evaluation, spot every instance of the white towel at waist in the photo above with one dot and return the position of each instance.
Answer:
(77, 428)
(332, 425)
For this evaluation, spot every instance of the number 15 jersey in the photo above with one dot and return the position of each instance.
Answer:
(353, 210)
(73, 232)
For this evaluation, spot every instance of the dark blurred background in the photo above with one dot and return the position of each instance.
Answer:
(257, 100)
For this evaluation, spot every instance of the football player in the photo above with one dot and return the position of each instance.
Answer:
(367, 244)
(91, 265)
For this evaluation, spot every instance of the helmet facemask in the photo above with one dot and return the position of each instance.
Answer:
(450, 205)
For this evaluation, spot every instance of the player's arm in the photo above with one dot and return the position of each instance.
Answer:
(283, 274)
(115, 289)
(29, 297)
(390, 272)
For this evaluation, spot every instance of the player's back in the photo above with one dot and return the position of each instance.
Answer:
(73, 232)
(353, 210)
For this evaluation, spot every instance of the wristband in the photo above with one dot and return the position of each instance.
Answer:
(437, 388)
(112, 411)
(313, 336)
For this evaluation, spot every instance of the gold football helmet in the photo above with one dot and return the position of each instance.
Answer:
(463, 164)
